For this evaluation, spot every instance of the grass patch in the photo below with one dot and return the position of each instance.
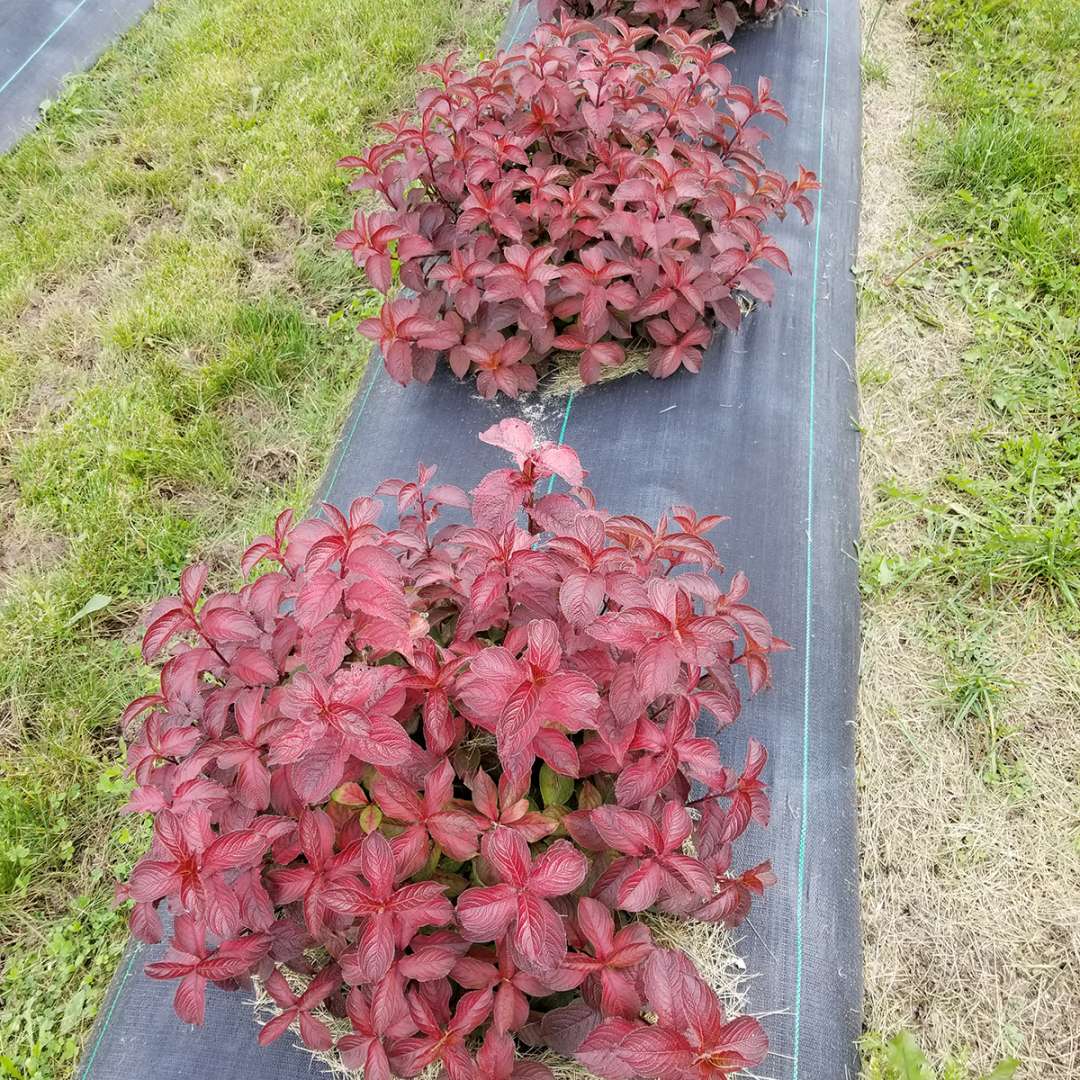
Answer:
(900, 1058)
(168, 379)
(1000, 157)
(969, 356)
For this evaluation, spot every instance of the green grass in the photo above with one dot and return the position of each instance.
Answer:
(168, 379)
(1000, 158)
(970, 554)
(901, 1058)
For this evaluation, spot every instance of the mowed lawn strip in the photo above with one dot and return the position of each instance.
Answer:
(969, 358)
(170, 377)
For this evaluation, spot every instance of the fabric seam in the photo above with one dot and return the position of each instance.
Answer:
(805, 798)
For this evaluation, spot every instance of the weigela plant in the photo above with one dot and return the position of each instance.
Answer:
(575, 195)
(436, 771)
(720, 16)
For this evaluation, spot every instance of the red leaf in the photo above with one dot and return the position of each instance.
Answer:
(539, 938)
(318, 598)
(603, 1050)
(559, 870)
(581, 596)
(253, 667)
(485, 913)
(223, 624)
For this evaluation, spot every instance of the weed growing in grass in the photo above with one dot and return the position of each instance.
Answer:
(167, 377)
(900, 1058)
(973, 691)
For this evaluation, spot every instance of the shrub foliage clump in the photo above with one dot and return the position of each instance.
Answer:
(437, 770)
(721, 16)
(577, 194)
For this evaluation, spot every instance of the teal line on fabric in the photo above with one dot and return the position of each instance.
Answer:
(511, 37)
(352, 430)
(55, 30)
(562, 433)
(108, 1016)
(805, 805)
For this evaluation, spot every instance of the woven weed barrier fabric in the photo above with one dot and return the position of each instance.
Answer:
(765, 434)
(44, 41)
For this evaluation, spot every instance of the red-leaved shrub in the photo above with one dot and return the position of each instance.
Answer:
(576, 194)
(721, 16)
(437, 770)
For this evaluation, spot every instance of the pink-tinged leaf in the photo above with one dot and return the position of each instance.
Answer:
(563, 462)
(619, 994)
(508, 853)
(318, 598)
(520, 720)
(497, 498)
(629, 831)
(691, 873)
(602, 1051)
(657, 1052)
(565, 1029)
(639, 889)
(145, 924)
(375, 949)
(472, 1010)
(220, 906)
(669, 987)
(152, 879)
(165, 969)
(656, 669)
(558, 751)
(234, 850)
(512, 435)
(740, 1044)
(456, 833)
(324, 645)
(190, 999)
(377, 863)
(273, 1029)
(192, 582)
(162, 630)
(485, 913)
(318, 773)
(558, 871)
(758, 284)
(644, 778)
(539, 938)
(581, 596)
(315, 1033)
(254, 667)
(640, 189)
(224, 624)
(235, 958)
(432, 961)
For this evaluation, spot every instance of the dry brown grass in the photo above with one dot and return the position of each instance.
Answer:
(565, 378)
(970, 890)
(971, 920)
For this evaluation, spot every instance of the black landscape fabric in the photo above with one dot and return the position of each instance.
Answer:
(44, 41)
(765, 434)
